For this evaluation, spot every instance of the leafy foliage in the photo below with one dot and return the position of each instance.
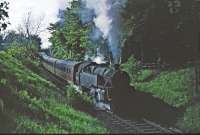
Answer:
(19, 40)
(131, 68)
(37, 104)
(26, 125)
(145, 74)
(73, 93)
(71, 40)
(154, 33)
(3, 15)
(173, 87)
(191, 120)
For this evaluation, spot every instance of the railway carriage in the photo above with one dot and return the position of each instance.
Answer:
(64, 69)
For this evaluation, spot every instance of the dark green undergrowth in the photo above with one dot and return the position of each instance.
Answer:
(191, 119)
(174, 87)
(73, 93)
(35, 105)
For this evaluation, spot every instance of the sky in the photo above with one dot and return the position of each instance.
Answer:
(46, 9)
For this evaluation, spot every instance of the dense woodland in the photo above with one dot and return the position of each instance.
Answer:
(159, 29)
(153, 31)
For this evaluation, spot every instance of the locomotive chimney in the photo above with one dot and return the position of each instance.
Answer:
(111, 58)
(116, 66)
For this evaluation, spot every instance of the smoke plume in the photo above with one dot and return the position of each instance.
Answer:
(105, 14)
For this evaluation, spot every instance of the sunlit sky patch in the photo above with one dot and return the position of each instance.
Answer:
(47, 9)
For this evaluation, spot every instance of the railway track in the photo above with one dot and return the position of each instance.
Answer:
(117, 124)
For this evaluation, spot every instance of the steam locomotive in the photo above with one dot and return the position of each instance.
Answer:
(95, 79)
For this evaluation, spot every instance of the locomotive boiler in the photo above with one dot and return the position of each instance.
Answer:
(95, 79)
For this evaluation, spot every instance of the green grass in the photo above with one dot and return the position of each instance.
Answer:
(38, 105)
(174, 87)
(27, 125)
(73, 92)
(191, 119)
(145, 74)
(73, 121)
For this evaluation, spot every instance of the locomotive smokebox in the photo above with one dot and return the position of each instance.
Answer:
(120, 90)
(120, 81)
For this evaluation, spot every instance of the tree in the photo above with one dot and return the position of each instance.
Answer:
(3, 26)
(3, 15)
(161, 30)
(19, 40)
(31, 26)
(72, 39)
(30, 29)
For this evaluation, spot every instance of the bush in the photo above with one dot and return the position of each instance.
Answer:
(191, 119)
(174, 87)
(144, 74)
(131, 68)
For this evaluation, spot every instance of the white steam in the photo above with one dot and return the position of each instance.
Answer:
(102, 20)
(107, 20)
(99, 60)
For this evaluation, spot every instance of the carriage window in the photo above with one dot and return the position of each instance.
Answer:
(68, 70)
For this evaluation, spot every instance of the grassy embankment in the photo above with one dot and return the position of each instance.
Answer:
(174, 87)
(31, 104)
